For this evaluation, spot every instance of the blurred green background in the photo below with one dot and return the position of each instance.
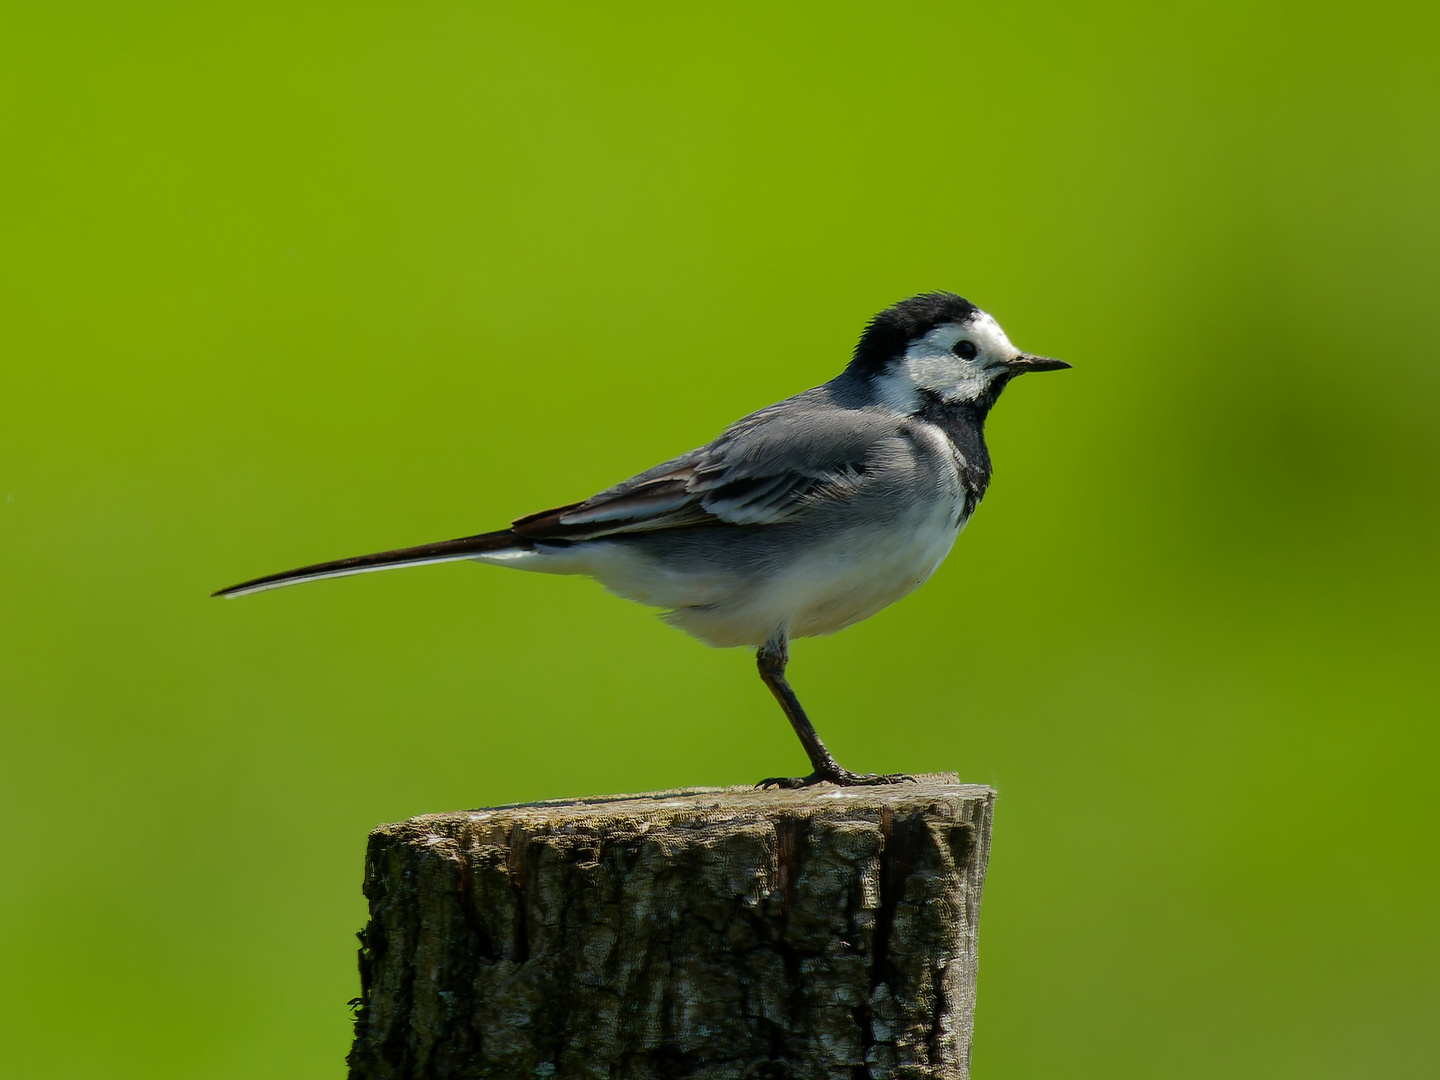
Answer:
(288, 282)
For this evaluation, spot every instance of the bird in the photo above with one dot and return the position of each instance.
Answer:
(798, 520)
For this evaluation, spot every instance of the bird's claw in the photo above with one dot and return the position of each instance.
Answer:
(838, 777)
(783, 782)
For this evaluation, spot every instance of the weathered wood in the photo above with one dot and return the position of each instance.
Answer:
(825, 932)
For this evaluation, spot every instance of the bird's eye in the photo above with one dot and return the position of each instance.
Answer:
(966, 350)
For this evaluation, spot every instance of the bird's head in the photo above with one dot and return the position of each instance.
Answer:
(938, 346)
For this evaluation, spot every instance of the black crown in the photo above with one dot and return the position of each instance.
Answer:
(898, 325)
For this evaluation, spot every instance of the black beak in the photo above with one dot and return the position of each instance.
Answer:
(1025, 362)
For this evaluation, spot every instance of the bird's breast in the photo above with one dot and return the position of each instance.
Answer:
(870, 569)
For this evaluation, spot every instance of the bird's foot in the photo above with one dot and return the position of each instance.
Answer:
(837, 776)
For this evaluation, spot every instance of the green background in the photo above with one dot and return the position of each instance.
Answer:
(285, 282)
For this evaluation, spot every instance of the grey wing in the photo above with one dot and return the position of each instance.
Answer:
(760, 471)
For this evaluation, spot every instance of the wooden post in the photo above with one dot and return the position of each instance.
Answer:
(719, 933)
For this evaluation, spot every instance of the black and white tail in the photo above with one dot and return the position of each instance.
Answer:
(467, 547)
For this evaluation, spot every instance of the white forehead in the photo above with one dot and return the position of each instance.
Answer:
(983, 330)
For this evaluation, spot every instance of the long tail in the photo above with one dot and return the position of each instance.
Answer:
(467, 547)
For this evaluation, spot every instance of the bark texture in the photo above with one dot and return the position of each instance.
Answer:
(718, 933)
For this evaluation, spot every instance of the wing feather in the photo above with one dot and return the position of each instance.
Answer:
(760, 471)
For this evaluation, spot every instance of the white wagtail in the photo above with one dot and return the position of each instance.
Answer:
(796, 521)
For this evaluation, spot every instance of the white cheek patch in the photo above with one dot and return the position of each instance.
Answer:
(931, 366)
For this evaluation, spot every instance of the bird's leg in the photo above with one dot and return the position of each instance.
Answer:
(771, 659)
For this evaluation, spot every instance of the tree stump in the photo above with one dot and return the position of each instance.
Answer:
(825, 932)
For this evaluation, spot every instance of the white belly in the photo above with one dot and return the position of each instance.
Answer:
(843, 583)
